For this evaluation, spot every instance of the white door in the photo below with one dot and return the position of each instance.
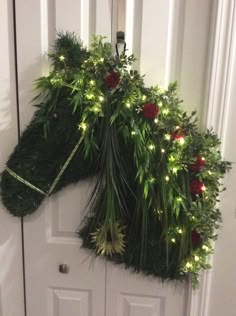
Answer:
(159, 33)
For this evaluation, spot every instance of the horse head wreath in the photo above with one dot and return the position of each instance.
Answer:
(153, 206)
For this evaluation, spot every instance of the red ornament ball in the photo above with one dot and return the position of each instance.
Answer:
(198, 164)
(112, 79)
(150, 111)
(196, 186)
(196, 238)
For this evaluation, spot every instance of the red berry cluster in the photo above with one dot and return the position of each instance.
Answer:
(112, 79)
(150, 111)
(198, 164)
(196, 186)
(178, 134)
(196, 238)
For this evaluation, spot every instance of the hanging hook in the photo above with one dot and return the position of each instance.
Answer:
(120, 41)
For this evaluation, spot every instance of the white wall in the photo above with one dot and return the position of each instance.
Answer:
(223, 116)
(11, 279)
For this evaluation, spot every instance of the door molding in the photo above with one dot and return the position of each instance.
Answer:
(222, 45)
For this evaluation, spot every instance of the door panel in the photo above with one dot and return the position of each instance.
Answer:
(68, 16)
(51, 239)
(165, 49)
(70, 302)
(129, 294)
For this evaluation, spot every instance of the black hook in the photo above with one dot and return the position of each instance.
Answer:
(120, 40)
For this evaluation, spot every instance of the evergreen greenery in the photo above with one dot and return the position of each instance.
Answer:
(153, 207)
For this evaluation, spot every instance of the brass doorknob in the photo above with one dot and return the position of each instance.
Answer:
(63, 268)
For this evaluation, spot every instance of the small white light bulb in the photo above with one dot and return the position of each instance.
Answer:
(151, 147)
(196, 258)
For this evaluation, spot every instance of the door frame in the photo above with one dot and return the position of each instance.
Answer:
(218, 83)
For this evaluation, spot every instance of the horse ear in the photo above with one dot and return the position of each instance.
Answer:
(68, 49)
